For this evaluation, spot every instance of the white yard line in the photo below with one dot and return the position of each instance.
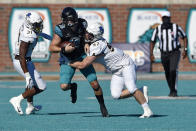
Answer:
(155, 98)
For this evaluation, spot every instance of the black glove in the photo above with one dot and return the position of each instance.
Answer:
(76, 41)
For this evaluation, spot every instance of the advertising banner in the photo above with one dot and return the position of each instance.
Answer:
(140, 54)
(17, 17)
(98, 15)
(141, 24)
(191, 26)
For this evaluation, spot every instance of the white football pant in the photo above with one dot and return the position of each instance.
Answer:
(127, 77)
(35, 75)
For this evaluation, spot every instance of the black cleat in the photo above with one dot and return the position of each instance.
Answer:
(104, 111)
(73, 92)
(173, 94)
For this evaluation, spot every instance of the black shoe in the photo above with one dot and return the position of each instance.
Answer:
(173, 94)
(73, 92)
(104, 111)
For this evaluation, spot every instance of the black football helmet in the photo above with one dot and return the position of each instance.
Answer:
(69, 16)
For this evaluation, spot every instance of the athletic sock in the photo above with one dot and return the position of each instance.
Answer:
(102, 105)
(20, 97)
(145, 106)
(29, 104)
(100, 99)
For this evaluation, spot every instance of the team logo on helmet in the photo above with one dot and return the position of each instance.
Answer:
(34, 22)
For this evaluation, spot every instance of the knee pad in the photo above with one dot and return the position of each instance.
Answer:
(41, 86)
(38, 90)
(132, 90)
(116, 95)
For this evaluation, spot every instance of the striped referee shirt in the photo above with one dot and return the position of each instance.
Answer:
(168, 37)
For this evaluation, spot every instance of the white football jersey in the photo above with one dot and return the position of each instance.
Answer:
(28, 36)
(114, 58)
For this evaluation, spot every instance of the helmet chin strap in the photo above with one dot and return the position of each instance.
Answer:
(93, 40)
(96, 38)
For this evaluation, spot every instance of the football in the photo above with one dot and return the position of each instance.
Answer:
(63, 44)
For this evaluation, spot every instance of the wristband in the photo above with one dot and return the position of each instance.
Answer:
(63, 50)
(27, 74)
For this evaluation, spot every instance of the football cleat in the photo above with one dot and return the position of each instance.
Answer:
(73, 94)
(145, 92)
(31, 109)
(147, 113)
(16, 104)
(37, 107)
(173, 94)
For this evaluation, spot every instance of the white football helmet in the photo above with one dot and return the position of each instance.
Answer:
(34, 22)
(96, 29)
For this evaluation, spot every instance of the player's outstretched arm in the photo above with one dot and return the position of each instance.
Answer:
(86, 62)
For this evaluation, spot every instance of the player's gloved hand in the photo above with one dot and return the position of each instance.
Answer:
(75, 41)
(29, 81)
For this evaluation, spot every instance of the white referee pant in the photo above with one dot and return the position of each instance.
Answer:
(127, 77)
(35, 75)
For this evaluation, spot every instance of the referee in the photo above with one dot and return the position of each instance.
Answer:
(168, 36)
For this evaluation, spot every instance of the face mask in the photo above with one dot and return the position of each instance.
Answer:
(89, 37)
(37, 27)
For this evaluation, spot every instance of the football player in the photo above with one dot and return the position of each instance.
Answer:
(120, 64)
(27, 40)
(68, 39)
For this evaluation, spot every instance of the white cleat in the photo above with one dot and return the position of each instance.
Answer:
(16, 104)
(145, 92)
(30, 110)
(148, 113)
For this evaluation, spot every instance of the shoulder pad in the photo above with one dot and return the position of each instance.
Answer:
(97, 48)
(28, 33)
(61, 25)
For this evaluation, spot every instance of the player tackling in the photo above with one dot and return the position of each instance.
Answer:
(27, 40)
(119, 63)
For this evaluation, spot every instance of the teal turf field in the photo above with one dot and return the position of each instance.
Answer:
(59, 114)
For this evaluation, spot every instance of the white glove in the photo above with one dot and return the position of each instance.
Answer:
(29, 81)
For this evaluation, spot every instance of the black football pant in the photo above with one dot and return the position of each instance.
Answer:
(170, 63)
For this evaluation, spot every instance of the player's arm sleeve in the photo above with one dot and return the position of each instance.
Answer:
(58, 31)
(181, 32)
(97, 48)
(154, 35)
